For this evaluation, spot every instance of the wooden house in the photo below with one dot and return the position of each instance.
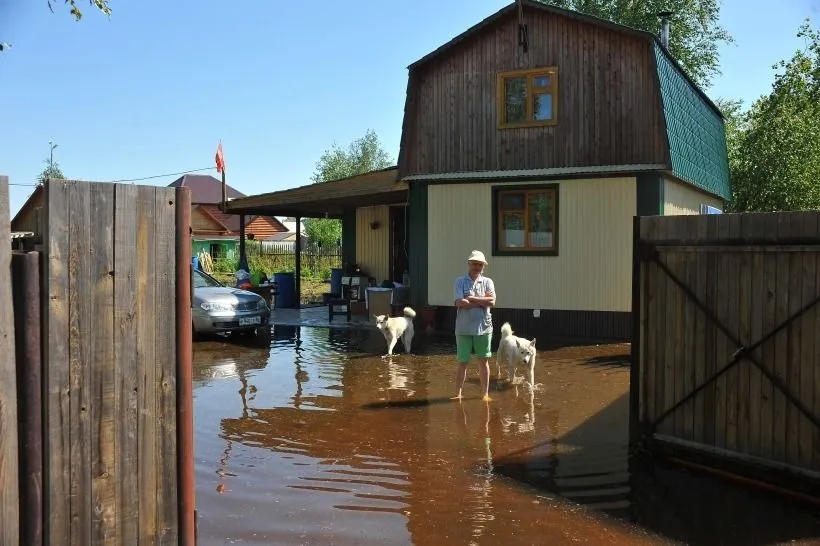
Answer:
(539, 154)
(28, 223)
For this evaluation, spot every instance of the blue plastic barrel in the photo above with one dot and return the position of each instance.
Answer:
(286, 290)
(336, 281)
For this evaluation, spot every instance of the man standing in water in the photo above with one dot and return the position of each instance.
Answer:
(474, 295)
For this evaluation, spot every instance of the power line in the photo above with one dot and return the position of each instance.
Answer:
(131, 179)
(161, 175)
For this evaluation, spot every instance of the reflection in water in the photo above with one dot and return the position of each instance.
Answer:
(481, 499)
(317, 440)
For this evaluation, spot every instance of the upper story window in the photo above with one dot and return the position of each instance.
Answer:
(528, 98)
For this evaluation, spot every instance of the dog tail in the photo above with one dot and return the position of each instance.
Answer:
(409, 313)
(506, 330)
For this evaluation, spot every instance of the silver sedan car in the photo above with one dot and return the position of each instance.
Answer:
(221, 309)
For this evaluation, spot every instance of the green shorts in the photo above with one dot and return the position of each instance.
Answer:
(468, 346)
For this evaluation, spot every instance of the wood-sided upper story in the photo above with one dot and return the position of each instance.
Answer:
(584, 94)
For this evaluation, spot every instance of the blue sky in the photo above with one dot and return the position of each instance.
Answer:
(152, 89)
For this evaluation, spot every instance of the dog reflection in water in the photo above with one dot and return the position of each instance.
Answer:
(397, 378)
(527, 422)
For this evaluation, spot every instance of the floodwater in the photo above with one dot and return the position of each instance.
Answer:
(311, 438)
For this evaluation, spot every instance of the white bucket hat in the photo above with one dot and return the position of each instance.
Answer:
(477, 256)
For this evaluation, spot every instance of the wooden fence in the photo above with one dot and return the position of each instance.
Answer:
(725, 341)
(114, 336)
(9, 474)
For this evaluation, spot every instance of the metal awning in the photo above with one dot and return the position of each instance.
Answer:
(326, 199)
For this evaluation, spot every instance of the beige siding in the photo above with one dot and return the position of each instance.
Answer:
(373, 245)
(593, 271)
(682, 198)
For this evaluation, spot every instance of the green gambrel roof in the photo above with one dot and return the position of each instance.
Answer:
(694, 130)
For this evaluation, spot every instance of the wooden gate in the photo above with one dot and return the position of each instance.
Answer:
(725, 341)
(109, 349)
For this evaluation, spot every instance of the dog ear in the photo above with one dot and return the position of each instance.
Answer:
(532, 342)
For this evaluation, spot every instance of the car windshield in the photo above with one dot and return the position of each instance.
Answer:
(203, 281)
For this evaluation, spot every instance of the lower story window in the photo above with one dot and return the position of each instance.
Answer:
(525, 220)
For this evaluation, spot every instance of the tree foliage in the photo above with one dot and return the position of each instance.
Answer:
(52, 170)
(362, 155)
(774, 147)
(695, 32)
(76, 12)
(101, 5)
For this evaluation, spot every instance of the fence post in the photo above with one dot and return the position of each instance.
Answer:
(9, 476)
(635, 345)
(185, 418)
(25, 278)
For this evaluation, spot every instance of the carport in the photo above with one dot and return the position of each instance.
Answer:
(338, 199)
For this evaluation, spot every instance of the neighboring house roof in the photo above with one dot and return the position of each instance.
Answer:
(699, 157)
(205, 188)
(206, 191)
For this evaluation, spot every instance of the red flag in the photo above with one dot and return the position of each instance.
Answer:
(220, 160)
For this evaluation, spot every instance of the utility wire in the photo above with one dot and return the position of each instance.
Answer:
(132, 179)
(161, 175)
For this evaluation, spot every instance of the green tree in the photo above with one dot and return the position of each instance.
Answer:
(52, 170)
(695, 31)
(101, 5)
(774, 154)
(76, 12)
(362, 155)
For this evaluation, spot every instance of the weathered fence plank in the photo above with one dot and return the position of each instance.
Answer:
(165, 372)
(103, 376)
(807, 362)
(125, 355)
(727, 355)
(9, 468)
(81, 344)
(56, 448)
(146, 359)
(28, 354)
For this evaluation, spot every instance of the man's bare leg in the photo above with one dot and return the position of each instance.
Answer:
(461, 376)
(484, 374)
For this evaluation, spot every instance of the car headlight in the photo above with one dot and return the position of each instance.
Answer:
(262, 304)
(216, 306)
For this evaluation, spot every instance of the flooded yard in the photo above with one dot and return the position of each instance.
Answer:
(314, 439)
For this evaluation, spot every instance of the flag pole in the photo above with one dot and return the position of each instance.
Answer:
(224, 185)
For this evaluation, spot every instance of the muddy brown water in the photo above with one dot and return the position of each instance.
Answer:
(310, 438)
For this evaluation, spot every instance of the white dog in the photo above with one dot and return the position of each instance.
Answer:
(395, 328)
(515, 350)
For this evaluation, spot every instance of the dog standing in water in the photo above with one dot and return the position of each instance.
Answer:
(515, 350)
(395, 328)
